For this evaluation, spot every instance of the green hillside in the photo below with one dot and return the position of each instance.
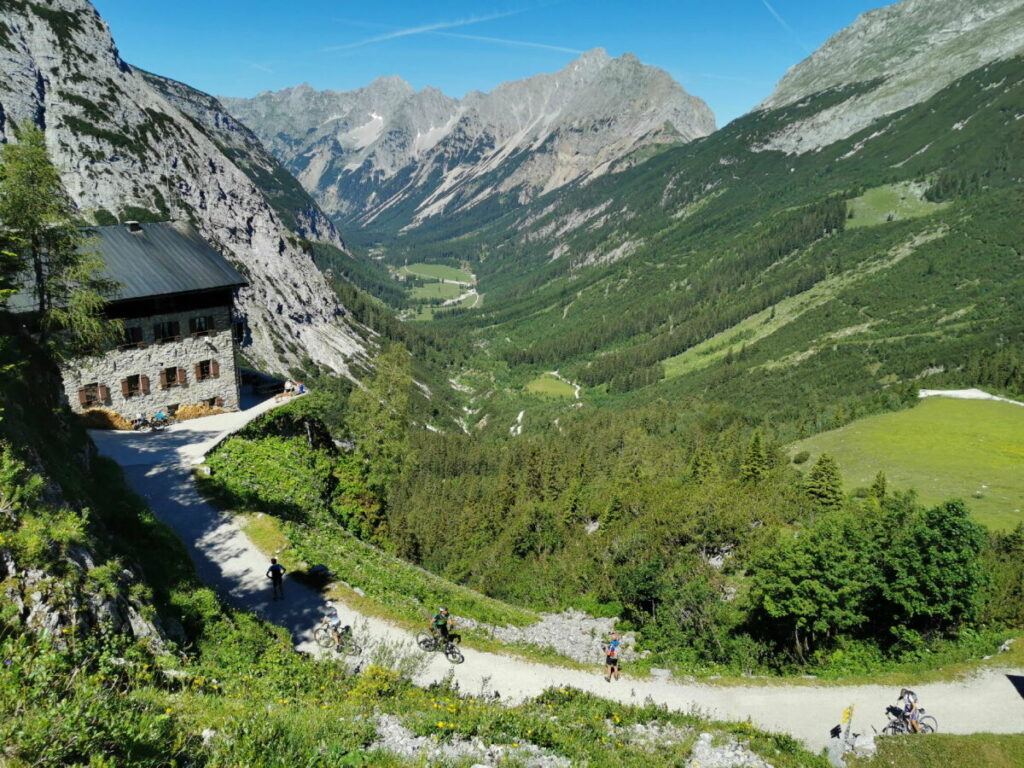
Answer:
(820, 286)
(944, 448)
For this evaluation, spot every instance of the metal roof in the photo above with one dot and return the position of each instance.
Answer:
(153, 259)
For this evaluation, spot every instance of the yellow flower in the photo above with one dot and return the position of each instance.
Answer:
(440, 723)
(168, 711)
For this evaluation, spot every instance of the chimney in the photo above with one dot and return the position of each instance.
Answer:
(133, 226)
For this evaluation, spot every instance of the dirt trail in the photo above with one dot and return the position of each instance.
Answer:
(157, 466)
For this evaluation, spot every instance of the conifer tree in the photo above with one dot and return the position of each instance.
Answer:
(879, 486)
(755, 463)
(37, 225)
(825, 484)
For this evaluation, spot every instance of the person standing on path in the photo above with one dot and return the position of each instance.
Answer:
(276, 575)
(611, 661)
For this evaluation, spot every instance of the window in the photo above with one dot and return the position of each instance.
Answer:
(169, 330)
(93, 394)
(135, 385)
(207, 369)
(133, 337)
(201, 326)
(172, 377)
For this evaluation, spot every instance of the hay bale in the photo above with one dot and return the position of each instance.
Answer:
(104, 418)
(186, 412)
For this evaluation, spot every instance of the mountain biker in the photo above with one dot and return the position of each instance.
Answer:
(441, 625)
(911, 711)
(333, 620)
(611, 661)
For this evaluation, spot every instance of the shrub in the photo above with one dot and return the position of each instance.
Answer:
(801, 457)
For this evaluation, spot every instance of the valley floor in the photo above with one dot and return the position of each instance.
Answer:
(158, 467)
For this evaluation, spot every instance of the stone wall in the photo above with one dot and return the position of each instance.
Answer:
(150, 358)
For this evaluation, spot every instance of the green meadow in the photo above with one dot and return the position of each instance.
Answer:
(892, 202)
(438, 271)
(944, 448)
(550, 386)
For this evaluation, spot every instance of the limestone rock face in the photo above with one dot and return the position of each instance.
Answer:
(137, 146)
(907, 51)
(386, 153)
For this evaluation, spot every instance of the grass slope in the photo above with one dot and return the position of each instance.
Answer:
(948, 751)
(945, 448)
(891, 202)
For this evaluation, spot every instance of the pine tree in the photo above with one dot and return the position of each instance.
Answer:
(879, 486)
(378, 416)
(755, 463)
(825, 484)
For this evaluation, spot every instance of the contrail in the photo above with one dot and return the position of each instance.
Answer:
(420, 30)
(785, 25)
(504, 41)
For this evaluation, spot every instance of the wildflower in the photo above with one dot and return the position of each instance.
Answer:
(440, 723)
(168, 711)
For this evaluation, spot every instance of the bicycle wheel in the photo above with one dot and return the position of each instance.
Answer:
(323, 637)
(350, 647)
(426, 641)
(929, 724)
(453, 654)
(892, 729)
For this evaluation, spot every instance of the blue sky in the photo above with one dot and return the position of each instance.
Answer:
(728, 52)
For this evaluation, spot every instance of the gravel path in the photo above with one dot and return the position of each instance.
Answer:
(157, 466)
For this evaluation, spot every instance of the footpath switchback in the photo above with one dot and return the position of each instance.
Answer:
(158, 467)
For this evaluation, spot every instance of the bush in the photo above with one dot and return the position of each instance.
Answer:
(801, 457)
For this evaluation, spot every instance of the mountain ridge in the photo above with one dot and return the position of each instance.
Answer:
(368, 153)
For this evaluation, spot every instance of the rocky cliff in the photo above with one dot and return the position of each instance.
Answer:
(902, 54)
(133, 146)
(386, 153)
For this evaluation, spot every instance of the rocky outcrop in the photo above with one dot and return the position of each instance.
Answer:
(133, 146)
(902, 54)
(61, 602)
(386, 154)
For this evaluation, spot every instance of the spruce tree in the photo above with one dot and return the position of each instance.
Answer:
(755, 463)
(879, 486)
(825, 484)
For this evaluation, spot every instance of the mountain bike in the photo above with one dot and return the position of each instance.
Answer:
(430, 642)
(344, 643)
(898, 722)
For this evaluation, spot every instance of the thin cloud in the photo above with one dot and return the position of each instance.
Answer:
(420, 30)
(256, 65)
(785, 25)
(505, 41)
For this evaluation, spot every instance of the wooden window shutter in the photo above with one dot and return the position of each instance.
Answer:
(214, 369)
(181, 376)
(163, 379)
(144, 384)
(219, 402)
(82, 398)
(198, 372)
(104, 393)
(124, 387)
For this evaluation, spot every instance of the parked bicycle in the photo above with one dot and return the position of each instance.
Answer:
(431, 642)
(898, 722)
(341, 640)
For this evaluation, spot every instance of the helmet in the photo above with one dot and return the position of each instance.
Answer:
(442, 609)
